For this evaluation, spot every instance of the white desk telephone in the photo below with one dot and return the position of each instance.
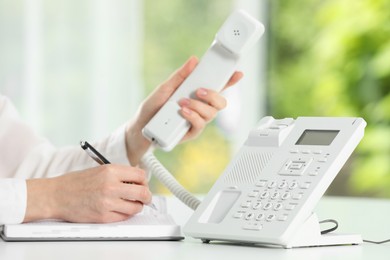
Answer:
(268, 192)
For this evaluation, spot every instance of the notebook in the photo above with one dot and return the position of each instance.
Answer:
(150, 224)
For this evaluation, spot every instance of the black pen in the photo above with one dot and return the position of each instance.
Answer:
(100, 159)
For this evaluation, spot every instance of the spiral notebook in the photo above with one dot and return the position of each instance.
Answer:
(150, 224)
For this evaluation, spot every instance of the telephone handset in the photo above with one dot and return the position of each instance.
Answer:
(235, 38)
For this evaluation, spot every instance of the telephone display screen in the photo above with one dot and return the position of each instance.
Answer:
(317, 137)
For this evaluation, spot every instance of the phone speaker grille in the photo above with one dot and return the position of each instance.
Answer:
(248, 167)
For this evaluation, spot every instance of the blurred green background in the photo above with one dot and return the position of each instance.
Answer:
(332, 58)
(325, 58)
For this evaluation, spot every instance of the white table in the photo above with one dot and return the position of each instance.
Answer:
(368, 217)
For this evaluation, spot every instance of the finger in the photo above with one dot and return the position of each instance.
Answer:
(127, 207)
(132, 175)
(133, 192)
(206, 111)
(196, 121)
(212, 98)
(237, 76)
(175, 80)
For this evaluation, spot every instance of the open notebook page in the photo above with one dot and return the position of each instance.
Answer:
(150, 224)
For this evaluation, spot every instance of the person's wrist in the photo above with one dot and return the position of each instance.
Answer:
(136, 143)
(41, 200)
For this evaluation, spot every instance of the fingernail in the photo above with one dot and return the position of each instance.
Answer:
(202, 92)
(184, 102)
(186, 110)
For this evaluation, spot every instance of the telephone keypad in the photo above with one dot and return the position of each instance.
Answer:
(274, 201)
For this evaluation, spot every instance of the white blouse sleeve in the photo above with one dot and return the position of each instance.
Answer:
(25, 155)
(13, 200)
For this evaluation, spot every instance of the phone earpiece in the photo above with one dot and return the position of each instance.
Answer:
(239, 32)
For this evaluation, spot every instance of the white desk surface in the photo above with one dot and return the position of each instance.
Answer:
(369, 217)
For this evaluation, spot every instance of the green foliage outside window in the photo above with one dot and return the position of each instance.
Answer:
(332, 58)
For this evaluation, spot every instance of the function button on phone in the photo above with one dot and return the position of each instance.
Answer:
(261, 183)
(294, 151)
(313, 173)
(246, 204)
(317, 151)
(254, 193)
(295, 167)
(282, 217)
(306, 151)
(253, 226)
(238, 214)
(297, 196)
(304, 185)
(322, 160)
(290, 206)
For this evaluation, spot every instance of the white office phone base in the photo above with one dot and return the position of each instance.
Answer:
(310, 235)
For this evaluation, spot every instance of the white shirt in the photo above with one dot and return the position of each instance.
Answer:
(25, 155)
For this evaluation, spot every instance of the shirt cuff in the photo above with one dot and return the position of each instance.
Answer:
(13, 201)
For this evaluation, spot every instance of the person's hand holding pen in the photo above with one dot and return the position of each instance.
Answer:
(107, 193)
(95, 195)
(100, 159)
